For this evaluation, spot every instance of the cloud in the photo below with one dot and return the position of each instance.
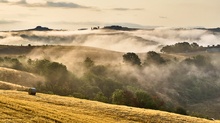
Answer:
(3, 1)
(163, 17)
(143, 40)
(98, 23)
(8, 21)
(46, 4)
(22, 2)
(64, 5)
(86, 23)
(127, 9)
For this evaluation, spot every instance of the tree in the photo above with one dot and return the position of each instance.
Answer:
(123, 97)
(99, 70)
(199, 60)
(147, 101)
(88, 62)
(167, 49)
(57, 71)
(194, 45)
(144, 100)
(56, 75)
(132, 59)
(101, 97)
(182, 47)
(153, 57)
(181, 110)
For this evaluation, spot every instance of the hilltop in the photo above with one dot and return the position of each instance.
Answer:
(37, 28)
(40, 28)
(20, 107)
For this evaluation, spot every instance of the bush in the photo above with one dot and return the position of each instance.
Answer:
(132, 59)
(101, 97)
(144, 100)
(181, 110)
(123, 97)
(155, 58)
(88, 62)
(199, 61)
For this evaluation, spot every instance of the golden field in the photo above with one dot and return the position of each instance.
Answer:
(17, 106)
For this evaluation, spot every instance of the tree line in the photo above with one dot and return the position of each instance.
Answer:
(185, 47)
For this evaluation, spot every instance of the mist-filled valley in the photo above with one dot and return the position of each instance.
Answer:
(137, 40)
(175, 70)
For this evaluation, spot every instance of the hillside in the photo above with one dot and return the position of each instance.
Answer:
(10, 86)
(20, 107)
(95, 65)
(64, 72)
(19, 77)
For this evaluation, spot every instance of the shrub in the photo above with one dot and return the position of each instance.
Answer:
(132, 59)
(181, 110)
(155, 58)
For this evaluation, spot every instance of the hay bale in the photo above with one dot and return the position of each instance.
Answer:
(32, 91)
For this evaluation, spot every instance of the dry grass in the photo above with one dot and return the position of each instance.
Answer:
(21, 107)
(19, 77)
(10, 86)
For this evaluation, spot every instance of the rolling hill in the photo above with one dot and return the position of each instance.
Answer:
(149, 77)
(11, 86)
(185, 80)
(19, 77)
(20, 107)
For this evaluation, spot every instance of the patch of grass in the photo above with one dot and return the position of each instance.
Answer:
(21, 107)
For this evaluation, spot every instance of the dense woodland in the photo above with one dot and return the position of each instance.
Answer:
(185, 47)
(194, 79)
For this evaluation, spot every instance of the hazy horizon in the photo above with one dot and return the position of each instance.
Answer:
(122, 41)
(72, 14)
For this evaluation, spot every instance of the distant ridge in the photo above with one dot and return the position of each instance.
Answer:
(40, 28)
(210, 29)
(116, 27)
(37, 28)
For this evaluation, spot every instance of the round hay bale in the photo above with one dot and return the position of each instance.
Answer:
(32, 91)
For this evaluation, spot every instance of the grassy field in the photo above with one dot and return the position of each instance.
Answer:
(20, 107)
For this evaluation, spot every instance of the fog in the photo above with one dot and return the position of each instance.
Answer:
(175, 81)
(123, 41)
(178, 82)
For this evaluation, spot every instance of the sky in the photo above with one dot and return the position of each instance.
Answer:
(75, 14)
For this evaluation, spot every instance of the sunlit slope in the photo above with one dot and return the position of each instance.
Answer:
(21, 107)
(10, 86)
(19, 77)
